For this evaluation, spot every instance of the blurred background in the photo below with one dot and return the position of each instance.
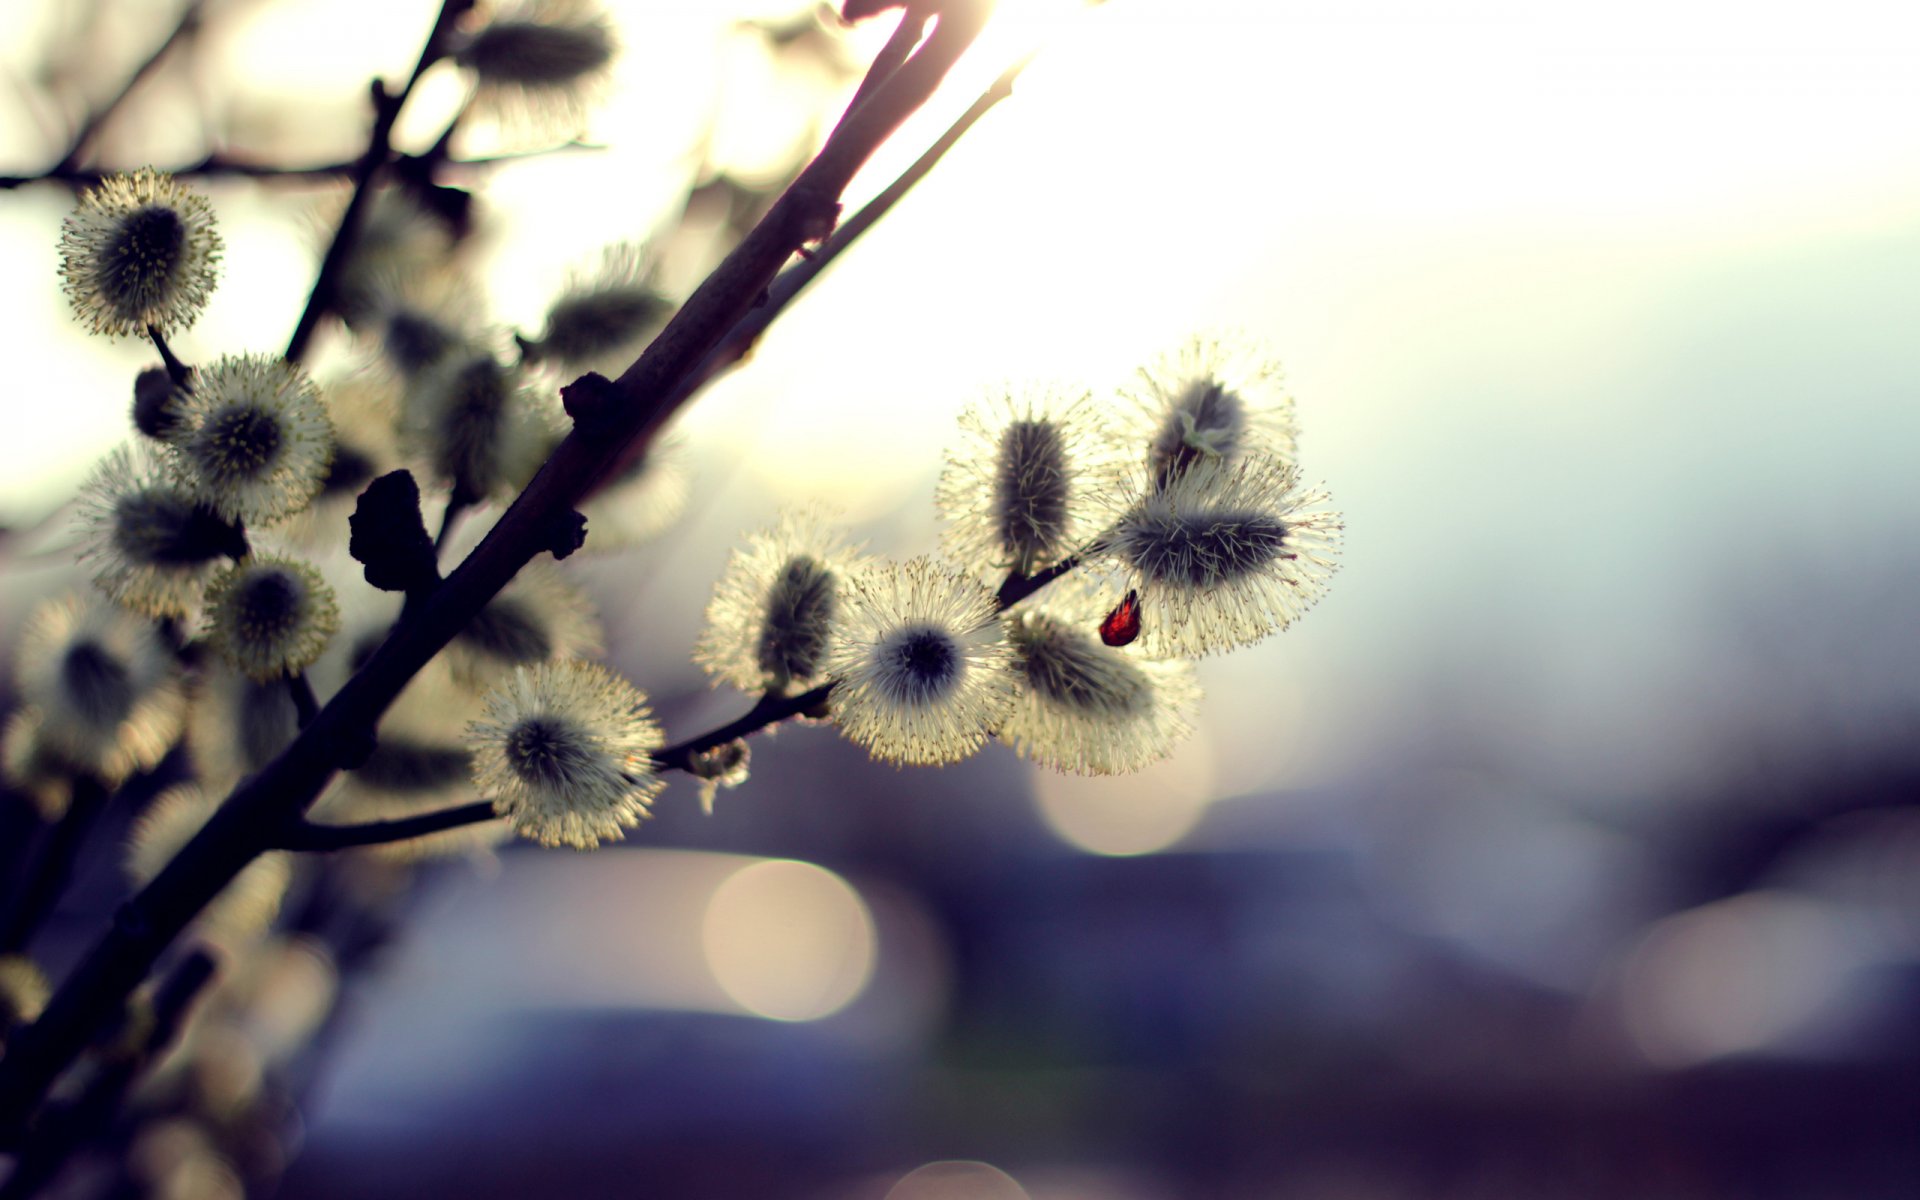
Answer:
(1569, 848)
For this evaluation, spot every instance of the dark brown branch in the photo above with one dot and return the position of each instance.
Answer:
(220, 165)
(386, 110)
(1019, 587)
(52, 867)
(768, 710)
(906, 35)
(259, 811)
(307, 835)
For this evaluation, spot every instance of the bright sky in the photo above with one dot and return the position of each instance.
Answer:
(1568, 293)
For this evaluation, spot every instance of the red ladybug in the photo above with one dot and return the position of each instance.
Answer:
(1122, 625)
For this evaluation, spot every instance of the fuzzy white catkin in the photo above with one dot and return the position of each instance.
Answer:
(254, 441)
(268, 616)
(1216, 397)
(105, 688)
(1223, 555)
(139, 251)
(771, 622)
(565, 754)
(923, 671)
(151, 544)
(1018, 490)
(1089, 708)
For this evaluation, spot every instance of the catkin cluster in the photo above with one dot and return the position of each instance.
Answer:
(213, 539)
(1094, 544)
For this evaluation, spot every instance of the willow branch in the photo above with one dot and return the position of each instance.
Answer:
(309, 835)
(386, 110)
(179, 372)
(226, 166)
(632, 410)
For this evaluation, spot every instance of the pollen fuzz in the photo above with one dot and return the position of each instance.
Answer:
(1216, 398)
(1088, 708)
(270, 616)
(1223, 555)
(922, 672)
(139, 251)
(104, 688)
(151, 544)
(771, 622)
(480, 429)
(254, 442)
(539, 65)
(601, 319)
(1015, 491)
(564, 751)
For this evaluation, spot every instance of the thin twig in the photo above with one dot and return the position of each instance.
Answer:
(306, 705)
(906, 35)
(220, 165)
(179, 372)
(309, 835)
(189, 22)
(386, 110)
(1019, 587)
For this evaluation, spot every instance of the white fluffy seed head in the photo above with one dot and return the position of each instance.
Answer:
(254, 441)
(565, 754)
(1215, 398)
(1016, 492)
(770, 625)
(1223, 555)
(1089, 708)
(151, 543)
(106, 688)
(139, 250)
(269, 616)
(922, 671)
